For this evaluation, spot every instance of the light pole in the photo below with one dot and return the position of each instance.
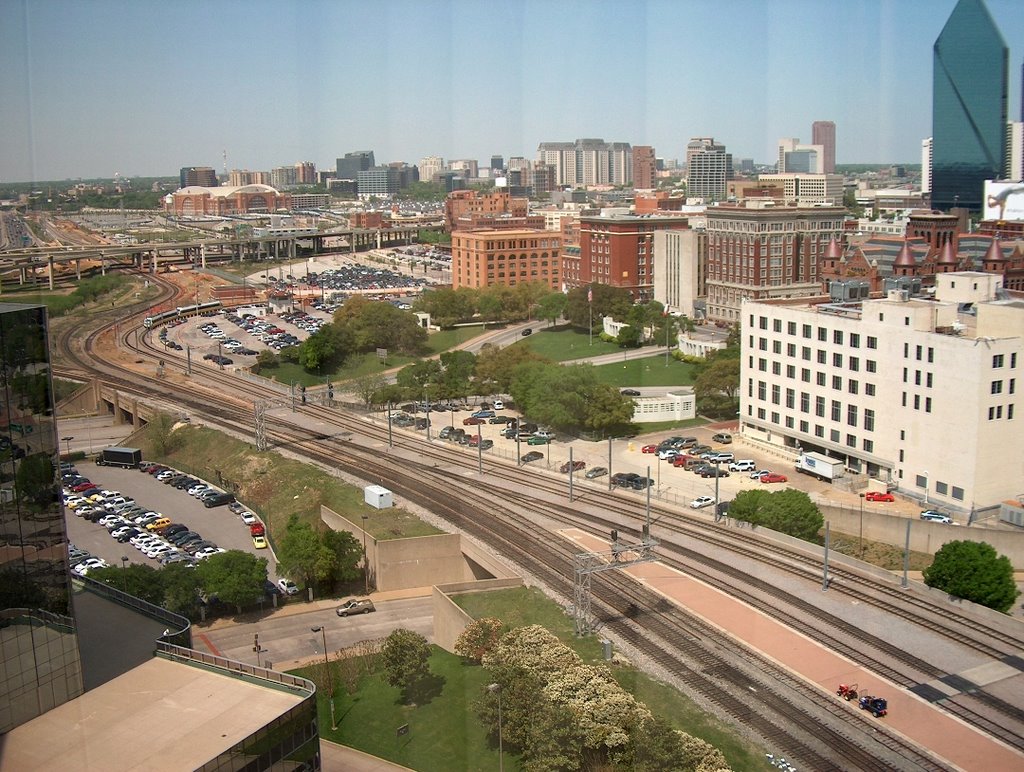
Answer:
(124, 575)
(68, 441)
(860, 539)
(327, 666)
(926, 488)
(366, 562)
(496, 688)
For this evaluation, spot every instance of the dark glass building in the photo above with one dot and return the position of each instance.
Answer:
(40, 664)
(348, 168)
(969, 98)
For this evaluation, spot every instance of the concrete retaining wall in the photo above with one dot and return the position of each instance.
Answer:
(449, 619)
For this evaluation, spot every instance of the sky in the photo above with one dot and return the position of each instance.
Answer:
(91, 88)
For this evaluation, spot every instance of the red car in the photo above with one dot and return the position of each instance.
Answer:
(773, 477)
(84, 487)
(649, 449)
(257, 529)
(471, 421)
(576, 466)
(879, 496)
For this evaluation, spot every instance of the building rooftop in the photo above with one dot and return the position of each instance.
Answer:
(160, 715)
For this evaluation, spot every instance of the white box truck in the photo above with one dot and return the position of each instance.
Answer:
(820, 466)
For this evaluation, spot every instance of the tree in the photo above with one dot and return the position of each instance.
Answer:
(717, 386)
(479, 638)
(34, 479)
(368, 386)
(348, 552)
(630, 336)
(790, 511)
(236, 577)
(303, 555)
(317, 350)
(608, 301)
(181, 589)
(973, 571)
(405, 657)
(136, 579)
(551, 307)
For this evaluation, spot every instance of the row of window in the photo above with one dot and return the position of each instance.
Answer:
(996, 413)
(941, 488)
(836, 412)
(834, 435)
(853, 363)
(807, 331)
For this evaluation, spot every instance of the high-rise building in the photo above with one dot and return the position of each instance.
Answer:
(758, 249)
(926, 165)
(588, 162)
(708, 169)
(430, 166)
(680, 264)
(643, 167)
(203, 176)
(282, 177)
(801, 159)
(824, 133)
(379, 182)
(807, 188)
(969, 93)
(1014, 151)
(497, 163)
(305, 173)
(353, 163)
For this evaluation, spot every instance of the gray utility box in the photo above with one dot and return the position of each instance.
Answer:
(378, 497)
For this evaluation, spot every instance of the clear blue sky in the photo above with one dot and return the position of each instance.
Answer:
(143, 87)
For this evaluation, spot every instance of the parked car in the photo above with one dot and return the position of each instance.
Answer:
(473, 421)
(287, 587)
(355, 606)
(713, 471)
(723, 438)
(527, 331)
(533, 455)
(259, 542)
(538, 440)
(649, 449)
(576, 466)
(742, 465)
(702, 501)
(773, 477)
(483, 414)
(879, 496)
(629, 392)
(936, 517)
(624, 479)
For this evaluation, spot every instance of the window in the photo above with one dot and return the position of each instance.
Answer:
(804, 426)
(776, 325)
(762, 365)
(869, 389)
(805, 402)
(805, 375)
(806, 331)
(1013, 360)
(1009, 412)
(872, 341)
(762, 322)
(851, 415)
(791, 328)
(776, 368)
(917, 353)
(819, 407)
(776, 346)
(762, 390)
(996, 387)
(791, 349)
(837, 382)
(917, 402)
(1011, 386)
(819, 430)
(822, 334)
(997, 361)
(870, 366)
(854, 363)
(927, 404)
(819, 378)
(941, 488)
(790, 371)
(928, 380)
(921, 481)
(958, 493)
(776, 394)
(837, 410)
(762, 344)
(760, 413)
(931, 354)
(775, 418)
(837, 360)
(917, 377)
(822, 357)
(854, 340)
(805, 353)
(837, 337)
(790, 398)
(868, 446)
(789, 422)
(851, 441)
(853, 386)
(991, 413)
(869, 420)
(834, 435)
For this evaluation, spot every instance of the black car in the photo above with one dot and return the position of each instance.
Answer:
(629, 393)
(642, 483)
(533, 455)
(713, 471)
(625, 479)
(527, 331)
(218, 500)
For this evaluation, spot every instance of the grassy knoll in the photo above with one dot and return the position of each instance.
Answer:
(563, 342)
(650, 371)
(272, 485)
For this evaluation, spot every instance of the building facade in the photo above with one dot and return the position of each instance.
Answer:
(508, 257)
(588, 162)
(643, 167)
(462, 206)
(348, 168)
(795, 157)
(680, 268)
(807, 188)
(619, 250)
(760, 249)
(430, 166)
(823, 133)
(204, 176)
(883, 384)
(926, 166)
(1014, 151)
(40, 664)
(708, 169)
(969, 93)
(246, 199)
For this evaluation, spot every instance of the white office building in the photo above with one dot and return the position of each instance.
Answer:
(926, 165)
(917, 390)
(680, 265)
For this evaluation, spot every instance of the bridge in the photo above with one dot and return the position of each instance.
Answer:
(28, 263)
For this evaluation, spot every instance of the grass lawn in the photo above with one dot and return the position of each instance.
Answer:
(650, 371)
(563, 343)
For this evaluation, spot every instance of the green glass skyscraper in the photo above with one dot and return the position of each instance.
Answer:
(969, 97)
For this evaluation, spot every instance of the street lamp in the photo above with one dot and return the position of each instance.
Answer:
(68, 441)
(366, 562)
(496, 688)
(124, 575)
(327, 666)
(861, 537)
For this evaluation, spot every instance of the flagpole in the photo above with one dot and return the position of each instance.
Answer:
(590, 303)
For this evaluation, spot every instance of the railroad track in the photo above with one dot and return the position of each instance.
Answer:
(489, 518)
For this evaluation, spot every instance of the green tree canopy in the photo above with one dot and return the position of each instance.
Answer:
(181, 589)
(303, 555)
(405, 656)
(235, 577)
(788, 511)
(973, 571)
(496, 366)
(551, 306)
(717, 386)
(608, 301)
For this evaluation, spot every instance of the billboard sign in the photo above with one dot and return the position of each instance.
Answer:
(1004, 200)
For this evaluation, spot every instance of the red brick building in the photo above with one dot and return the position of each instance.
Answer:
(644, 167)
(659, 201)
(461, 203)
(366, 220)
(507, 257)
(226, 199)
(619, 250)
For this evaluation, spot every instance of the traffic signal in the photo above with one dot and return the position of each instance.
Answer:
(302, 394)
(615, 535)
(330, 391)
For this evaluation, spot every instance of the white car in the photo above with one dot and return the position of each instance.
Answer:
(83, 568)
(702, 501)
(203, 554)
(248, 518)
(159, 550)
(499, 405)
(668, 454)
(287, 587)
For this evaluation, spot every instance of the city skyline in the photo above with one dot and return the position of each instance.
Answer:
(107, 87)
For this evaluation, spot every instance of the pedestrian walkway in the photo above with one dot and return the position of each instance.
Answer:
(955, 741)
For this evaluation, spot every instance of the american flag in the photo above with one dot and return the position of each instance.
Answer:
(590, 294)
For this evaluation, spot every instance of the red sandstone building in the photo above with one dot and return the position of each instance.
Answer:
(619, 251)
(226, 199)
(506, 257)
(469, 203)
(644, 167)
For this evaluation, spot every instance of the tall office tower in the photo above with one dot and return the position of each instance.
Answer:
(203, 176)
(643, 167)
(588, 162)
(305, 173)
(429, 166)
(497, 163)
(926, 165)
(824, 133)
(969, 92)
(1014, 151)
(708, 169)
(282, 177)
(798, 158)
(517, 163)
(40, 663)
(353, 163)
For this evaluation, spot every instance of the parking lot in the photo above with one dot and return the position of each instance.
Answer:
(217, 524)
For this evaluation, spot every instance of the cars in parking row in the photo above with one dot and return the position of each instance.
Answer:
(264, 330)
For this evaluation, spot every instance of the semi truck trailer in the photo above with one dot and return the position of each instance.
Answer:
(820, 466)
(129, 458)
